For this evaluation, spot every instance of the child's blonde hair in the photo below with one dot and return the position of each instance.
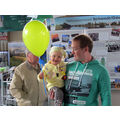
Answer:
(58, 49)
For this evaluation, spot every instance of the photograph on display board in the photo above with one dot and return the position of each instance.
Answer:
(55, 37)
(17, 53)
(87, 22)
(113, 46)
(115, 83)
(115, 31)
(65, 38)
(94, 36)
(73, 35)
(70, 55)
(69, 44)
(59, 45)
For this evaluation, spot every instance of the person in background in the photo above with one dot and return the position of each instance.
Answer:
(86, 77)
(54, 72)
(24, 85)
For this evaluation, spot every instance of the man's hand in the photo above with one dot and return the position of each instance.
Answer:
(52, 94)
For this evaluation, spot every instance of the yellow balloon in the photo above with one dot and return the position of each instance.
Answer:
(36, 37)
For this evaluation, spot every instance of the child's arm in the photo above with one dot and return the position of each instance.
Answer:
(41, 75)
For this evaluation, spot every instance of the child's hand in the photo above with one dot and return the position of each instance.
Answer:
(41, 75)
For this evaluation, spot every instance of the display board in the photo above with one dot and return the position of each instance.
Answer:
(106, 48)
(105, 32)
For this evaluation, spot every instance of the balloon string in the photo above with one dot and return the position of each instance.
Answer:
(44, 84)
(44, 87)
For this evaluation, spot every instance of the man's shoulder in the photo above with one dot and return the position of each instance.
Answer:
(22, 65)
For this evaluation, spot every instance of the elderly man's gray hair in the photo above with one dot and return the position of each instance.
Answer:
(27, 51)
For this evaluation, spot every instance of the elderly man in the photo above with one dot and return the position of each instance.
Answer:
(24, 85)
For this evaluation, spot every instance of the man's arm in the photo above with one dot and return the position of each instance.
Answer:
(105, 88)
(16, 89)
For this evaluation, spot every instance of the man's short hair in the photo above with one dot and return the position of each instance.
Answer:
(84, 41)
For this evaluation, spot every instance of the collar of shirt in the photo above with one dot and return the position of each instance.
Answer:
(37, 68)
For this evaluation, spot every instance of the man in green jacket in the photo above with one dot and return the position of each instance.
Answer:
(86, 77)
(24, 85)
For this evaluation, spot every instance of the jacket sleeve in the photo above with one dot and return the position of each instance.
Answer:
(16, 89)
(105, 88)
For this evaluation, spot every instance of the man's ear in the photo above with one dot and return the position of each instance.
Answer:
(86, 49)
(28, 54)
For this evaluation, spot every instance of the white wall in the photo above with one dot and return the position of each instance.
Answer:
(115, 94)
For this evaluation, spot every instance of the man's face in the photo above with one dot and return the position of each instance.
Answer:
(77, 51)
(32, 58)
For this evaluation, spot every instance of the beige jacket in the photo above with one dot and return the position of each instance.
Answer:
(25, 86)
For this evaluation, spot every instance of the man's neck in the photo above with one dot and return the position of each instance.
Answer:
(33, 65)
(87, 59)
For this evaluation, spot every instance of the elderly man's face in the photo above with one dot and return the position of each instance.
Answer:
(32, 58)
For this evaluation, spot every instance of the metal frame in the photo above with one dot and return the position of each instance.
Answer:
(6, 98)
